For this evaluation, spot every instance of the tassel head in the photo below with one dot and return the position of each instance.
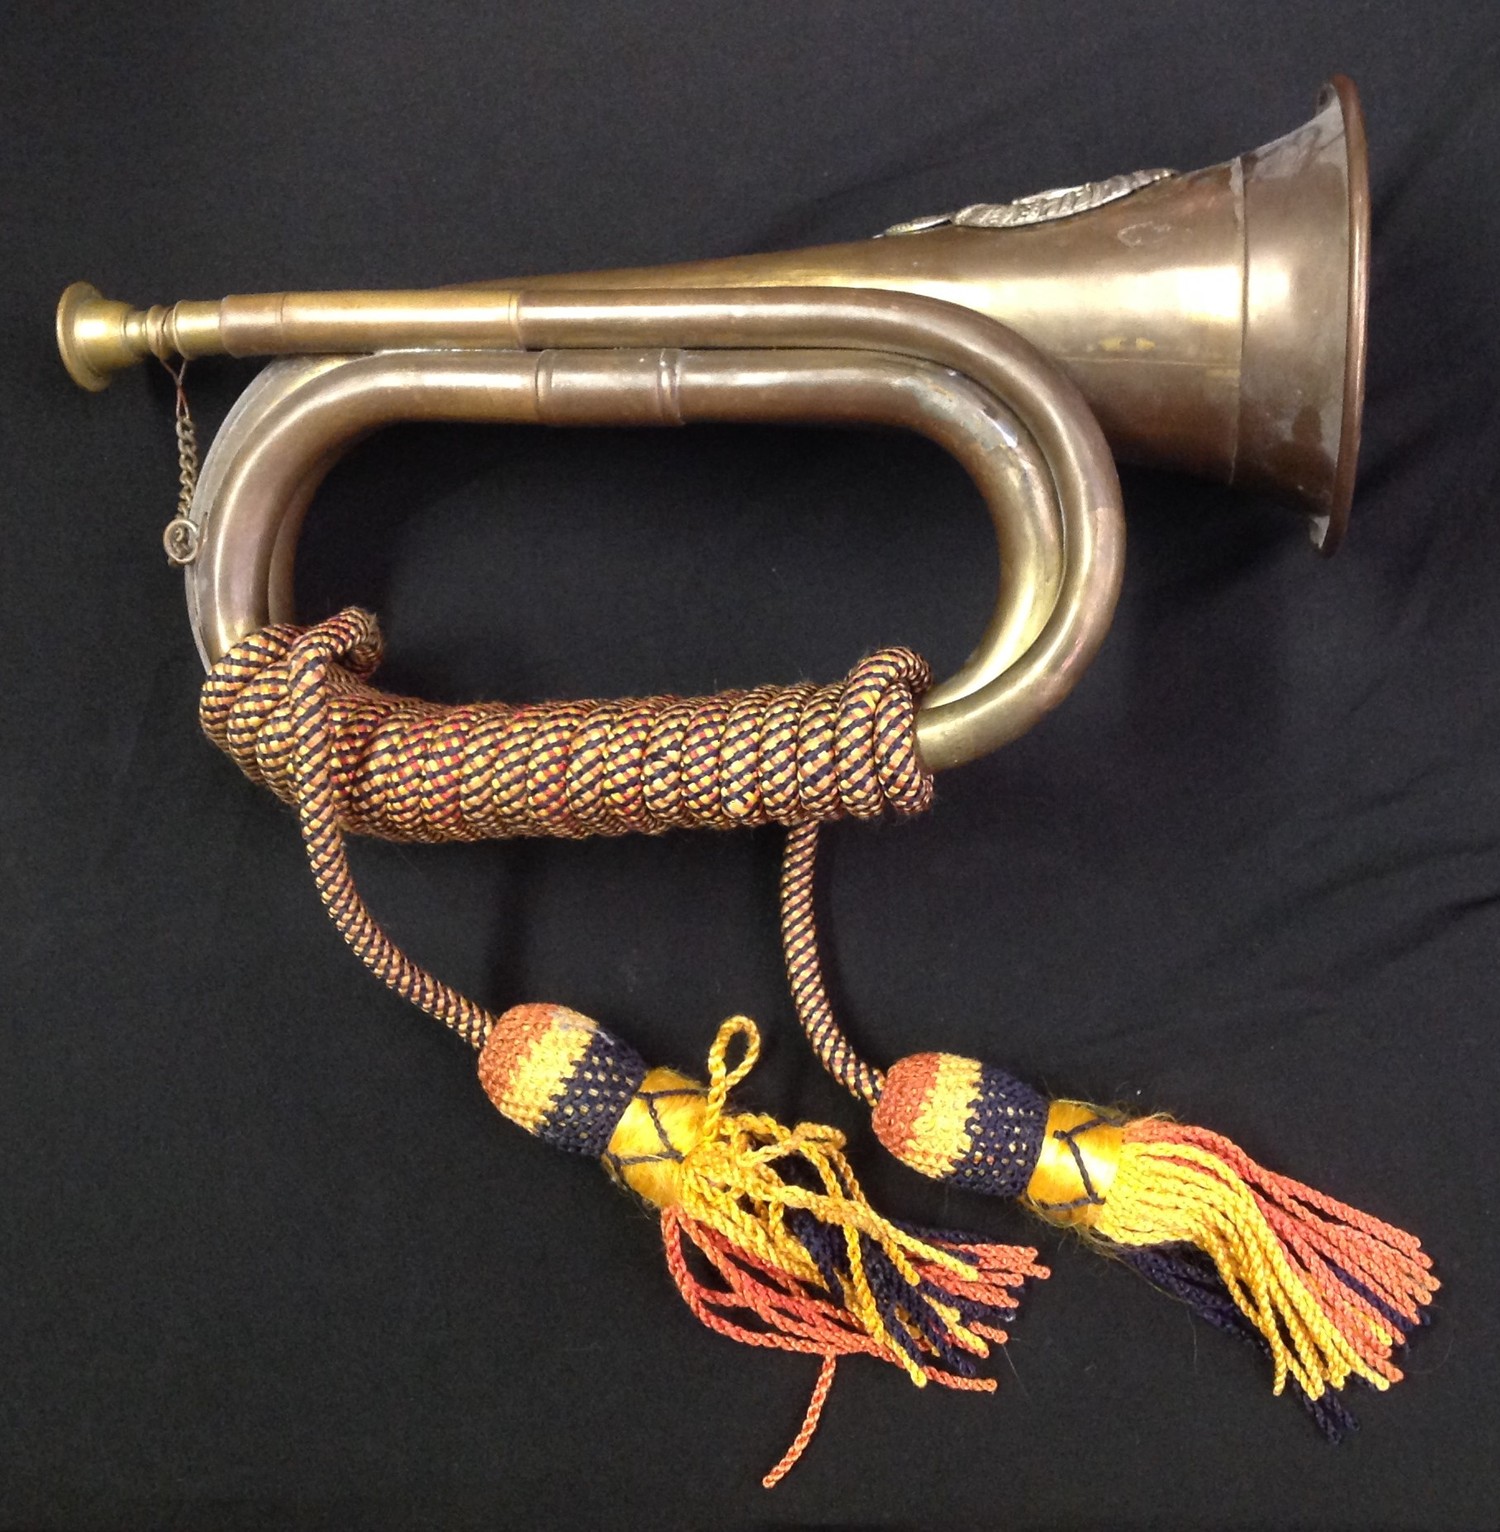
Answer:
(560, 1076)
(961, 1121)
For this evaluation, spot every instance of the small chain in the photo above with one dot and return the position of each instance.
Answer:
(180, 537)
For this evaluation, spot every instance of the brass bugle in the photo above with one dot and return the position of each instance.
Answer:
(1214, 321)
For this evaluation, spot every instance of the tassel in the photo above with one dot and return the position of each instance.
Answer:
(1326, 1291)
(768, 1236)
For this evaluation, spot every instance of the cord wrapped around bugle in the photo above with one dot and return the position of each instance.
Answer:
(1212, 322)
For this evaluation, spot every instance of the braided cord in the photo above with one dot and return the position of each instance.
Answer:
(404, 769)
(308, 700)
(804, 969)
(294, 709)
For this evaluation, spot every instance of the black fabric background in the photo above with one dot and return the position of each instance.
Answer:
(267, 1257)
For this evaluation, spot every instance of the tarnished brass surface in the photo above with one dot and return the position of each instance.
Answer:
(1038, 459)
(1213, 320)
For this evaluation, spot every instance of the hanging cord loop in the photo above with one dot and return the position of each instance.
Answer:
(294, 708)
(1326, 1291)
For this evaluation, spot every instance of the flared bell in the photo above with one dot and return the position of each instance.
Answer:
(1215, 320)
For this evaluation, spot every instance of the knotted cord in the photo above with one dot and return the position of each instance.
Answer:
(295, 709)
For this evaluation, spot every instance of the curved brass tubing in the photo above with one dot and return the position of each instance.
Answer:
(1058, 520)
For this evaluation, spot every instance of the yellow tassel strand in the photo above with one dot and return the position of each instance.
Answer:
(1176, 1192)
(721, 1169)
(1329, 1289)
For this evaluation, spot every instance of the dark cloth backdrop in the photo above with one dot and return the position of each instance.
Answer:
(267, 1256)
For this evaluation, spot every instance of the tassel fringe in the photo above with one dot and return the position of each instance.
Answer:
(1332, 1291)
(804, 1263)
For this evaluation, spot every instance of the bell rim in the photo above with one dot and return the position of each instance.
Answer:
(1329, 529)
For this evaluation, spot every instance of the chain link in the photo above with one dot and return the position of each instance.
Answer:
(180, 536)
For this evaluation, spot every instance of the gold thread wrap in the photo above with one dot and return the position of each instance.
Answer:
(662, 1123)
(1079, 1158)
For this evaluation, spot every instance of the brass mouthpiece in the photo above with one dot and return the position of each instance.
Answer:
(97, 336)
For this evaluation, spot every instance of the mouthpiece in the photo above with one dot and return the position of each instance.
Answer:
(97, 336)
